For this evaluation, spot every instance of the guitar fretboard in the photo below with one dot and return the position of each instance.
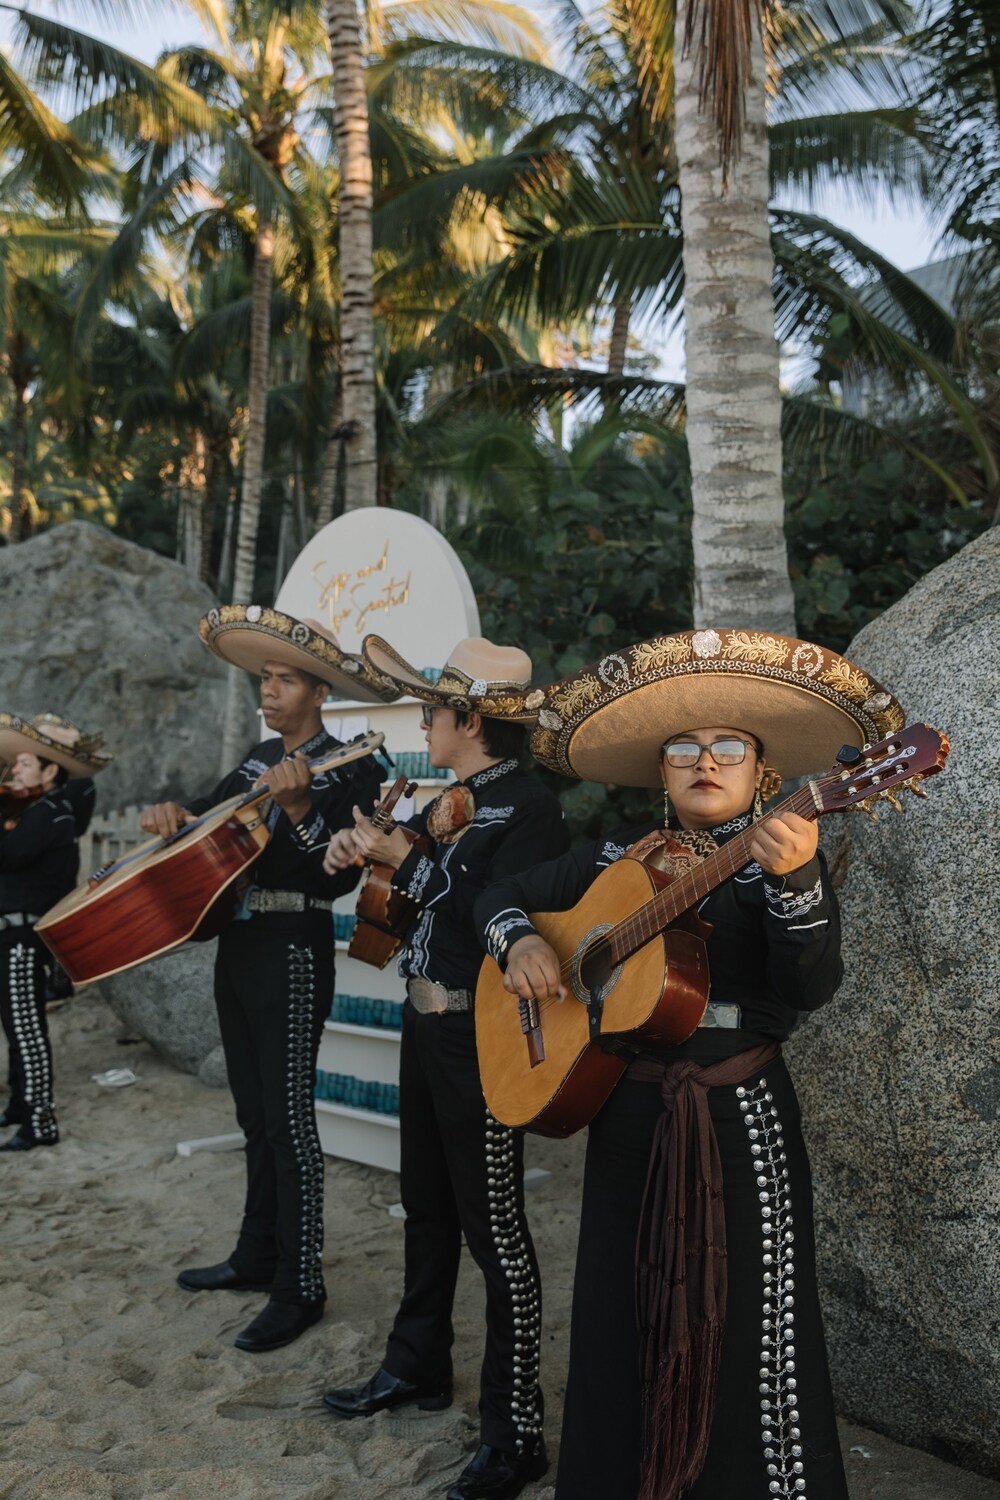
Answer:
(629, 935)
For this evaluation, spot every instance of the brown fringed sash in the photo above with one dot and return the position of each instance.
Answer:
(680, 1270)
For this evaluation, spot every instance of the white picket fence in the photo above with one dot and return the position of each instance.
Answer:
(109, 836)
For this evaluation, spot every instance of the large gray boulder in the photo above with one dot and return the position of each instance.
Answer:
(169, 1004)
(900, 1077)
(106, 633)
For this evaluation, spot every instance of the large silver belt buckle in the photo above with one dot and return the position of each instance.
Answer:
(427, 998)
(721, 1013)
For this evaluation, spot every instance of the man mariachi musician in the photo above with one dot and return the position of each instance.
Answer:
(274, 970)
(38, 866)
(461, 1172)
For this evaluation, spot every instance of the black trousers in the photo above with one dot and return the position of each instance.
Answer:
(273, 987)
(462, 1173)
(23, 959)
(774, 1435)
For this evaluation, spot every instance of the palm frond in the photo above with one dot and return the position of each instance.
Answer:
(492, 23)
(48, 157)
(866, 155)
(531, 389)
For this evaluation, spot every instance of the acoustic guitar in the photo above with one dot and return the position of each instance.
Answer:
(633, 958)
(169, 891)
(384, 914)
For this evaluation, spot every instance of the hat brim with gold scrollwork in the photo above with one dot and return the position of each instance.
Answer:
(494, 681)
(248, 635)
(51, 737)
(802, 701)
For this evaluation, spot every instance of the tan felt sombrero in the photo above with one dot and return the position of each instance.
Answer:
(801, 700)
(51, 737)
(493, 680)
(248, 635)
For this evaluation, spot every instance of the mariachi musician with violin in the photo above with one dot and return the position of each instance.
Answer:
(460, 1171)
(45, 801)
(274, 974)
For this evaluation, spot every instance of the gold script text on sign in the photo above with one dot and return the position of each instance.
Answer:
(358, 594)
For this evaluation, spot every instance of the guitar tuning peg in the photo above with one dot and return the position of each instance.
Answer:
(866, 806)
(913, 785)
(893, 800)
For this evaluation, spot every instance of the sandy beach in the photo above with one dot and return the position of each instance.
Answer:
(116, 1384)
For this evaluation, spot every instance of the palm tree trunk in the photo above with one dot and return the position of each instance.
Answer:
(733, 398)
(20, 520)
(326, 496)
(357, 329)
(253, 469)
(619, 337)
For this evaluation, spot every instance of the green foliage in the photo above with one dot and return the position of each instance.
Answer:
(861, 536)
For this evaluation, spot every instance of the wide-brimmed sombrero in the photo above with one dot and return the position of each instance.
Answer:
(803, 702)
(248, 635)
(493, 680)
(51, 737)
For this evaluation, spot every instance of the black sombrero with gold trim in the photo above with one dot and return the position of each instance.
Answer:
(495, 681)
(51, 737)
(248, 635)
(803, 701)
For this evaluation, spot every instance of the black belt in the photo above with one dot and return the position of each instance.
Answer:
(260, 900)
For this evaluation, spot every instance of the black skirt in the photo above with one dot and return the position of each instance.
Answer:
(774, 1433)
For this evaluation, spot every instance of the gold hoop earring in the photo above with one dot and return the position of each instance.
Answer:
(770, 783)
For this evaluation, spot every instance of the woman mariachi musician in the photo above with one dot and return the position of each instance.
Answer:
(707, 1359)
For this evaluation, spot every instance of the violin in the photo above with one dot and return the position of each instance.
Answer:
(15, 801)
(384, 914)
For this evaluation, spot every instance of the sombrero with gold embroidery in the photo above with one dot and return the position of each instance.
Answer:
(493, 680)
(51, 737)
(248, 635)
(803, 702)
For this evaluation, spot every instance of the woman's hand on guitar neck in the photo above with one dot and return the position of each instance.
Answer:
(533, 970)
(785, 843)
(165, 818)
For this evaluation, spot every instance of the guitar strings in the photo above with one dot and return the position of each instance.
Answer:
(633, 931)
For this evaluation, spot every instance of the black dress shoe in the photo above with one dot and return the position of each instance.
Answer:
(9, 1119)
(21, 1142)
(385, 1391)
(219, 1279)
(280, 1323)
(496, 1475)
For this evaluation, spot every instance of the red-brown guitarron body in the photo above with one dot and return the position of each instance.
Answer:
(168, 891)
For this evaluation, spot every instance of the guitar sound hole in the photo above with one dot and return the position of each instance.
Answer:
(593, 965)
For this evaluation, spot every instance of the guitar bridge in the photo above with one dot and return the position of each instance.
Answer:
(532, 1028)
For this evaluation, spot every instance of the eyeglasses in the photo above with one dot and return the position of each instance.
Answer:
(427, 714)
(725, 752)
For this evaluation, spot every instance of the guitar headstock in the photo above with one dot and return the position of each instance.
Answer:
(897, 764)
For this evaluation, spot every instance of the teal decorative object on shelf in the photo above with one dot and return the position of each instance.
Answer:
(362, 1010)
(357, 1093)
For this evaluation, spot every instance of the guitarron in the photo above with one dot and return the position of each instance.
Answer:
(168, 891)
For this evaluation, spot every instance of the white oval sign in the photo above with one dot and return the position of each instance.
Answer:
(384, 572)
